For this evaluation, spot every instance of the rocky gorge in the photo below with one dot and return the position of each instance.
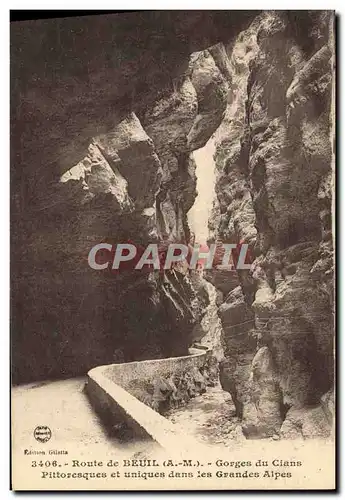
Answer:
(104, 126)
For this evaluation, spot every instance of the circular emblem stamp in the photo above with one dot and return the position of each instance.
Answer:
(42, 433)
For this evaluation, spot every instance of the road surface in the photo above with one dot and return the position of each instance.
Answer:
(64, 407)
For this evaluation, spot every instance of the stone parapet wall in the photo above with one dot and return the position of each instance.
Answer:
(130, 396)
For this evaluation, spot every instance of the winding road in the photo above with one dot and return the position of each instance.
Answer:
(63, 406)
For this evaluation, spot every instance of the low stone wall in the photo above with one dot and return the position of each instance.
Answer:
(131, 396)
(132, 419)
(123, 374)
(166, 383)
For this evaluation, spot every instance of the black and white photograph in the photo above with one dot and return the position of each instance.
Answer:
(172, 241)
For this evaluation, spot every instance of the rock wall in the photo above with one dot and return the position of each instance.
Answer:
(105, 112)
(274, 191)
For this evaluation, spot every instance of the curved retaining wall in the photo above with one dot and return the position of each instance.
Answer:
(125, 373)
(107, 389)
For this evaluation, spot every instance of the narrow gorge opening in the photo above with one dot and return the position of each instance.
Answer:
(199, 214)
(209, 331)
(211, 416)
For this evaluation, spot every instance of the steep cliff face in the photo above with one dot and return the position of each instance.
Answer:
(274, 192)
(103, 130)
(103, 127)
